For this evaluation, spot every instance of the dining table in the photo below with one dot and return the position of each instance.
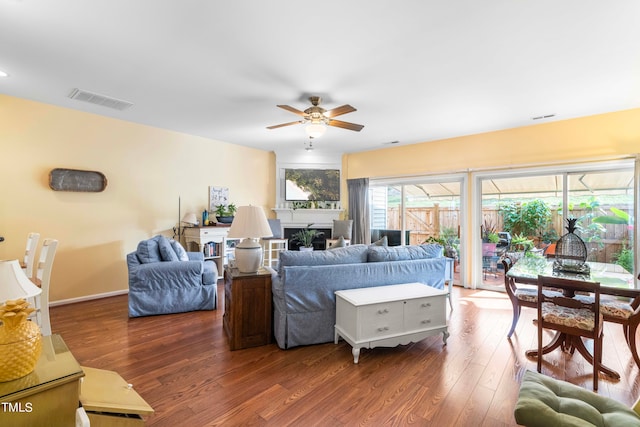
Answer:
(614, 281)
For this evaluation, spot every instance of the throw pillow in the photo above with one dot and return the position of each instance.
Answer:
(179, 250)
(340, 243)
(148, 251)
(382, 242)
(166, 251)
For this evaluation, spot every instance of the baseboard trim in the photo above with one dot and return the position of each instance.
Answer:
(88, 297)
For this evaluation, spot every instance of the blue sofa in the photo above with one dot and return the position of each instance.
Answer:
(164, 278)
(304, 286)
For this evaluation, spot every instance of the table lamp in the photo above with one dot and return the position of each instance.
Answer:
(250, 223)
(191, 219)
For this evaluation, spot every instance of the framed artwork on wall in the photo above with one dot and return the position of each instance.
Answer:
(218, 196)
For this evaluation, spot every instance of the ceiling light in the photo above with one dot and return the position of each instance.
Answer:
(4, 74)
(315, 130)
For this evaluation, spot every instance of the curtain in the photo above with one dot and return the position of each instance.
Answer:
(358, 192)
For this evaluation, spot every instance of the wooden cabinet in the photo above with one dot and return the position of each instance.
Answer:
(212, 241)
(387, 316)
(48, 396)
(247, 308)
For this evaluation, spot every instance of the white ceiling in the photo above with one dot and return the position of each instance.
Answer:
(416, 70)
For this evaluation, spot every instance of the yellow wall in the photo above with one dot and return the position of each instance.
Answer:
(147, 170)
(568, 140)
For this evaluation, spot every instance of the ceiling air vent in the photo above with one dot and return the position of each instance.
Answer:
(94, 98)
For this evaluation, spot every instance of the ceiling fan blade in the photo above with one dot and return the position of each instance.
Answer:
(293, 110)
(297, 122)
(338, 111)
(345, 125)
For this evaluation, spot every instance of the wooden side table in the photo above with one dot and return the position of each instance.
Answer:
(247, 308)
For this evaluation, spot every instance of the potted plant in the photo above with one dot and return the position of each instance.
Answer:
(490, 239)
(225, 213)
(305, 237)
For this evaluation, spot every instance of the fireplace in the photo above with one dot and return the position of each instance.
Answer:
(292, 220)
(319, 243)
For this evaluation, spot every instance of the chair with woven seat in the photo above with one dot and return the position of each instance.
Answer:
(572, 318)
(520, 295)
(626, 314)
(624, 310)
(30, 254)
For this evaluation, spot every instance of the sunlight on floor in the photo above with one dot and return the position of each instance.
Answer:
(487, 299)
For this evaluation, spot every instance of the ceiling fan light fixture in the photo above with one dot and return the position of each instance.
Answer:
(315, 130)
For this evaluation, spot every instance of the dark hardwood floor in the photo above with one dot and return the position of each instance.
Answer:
(182, 366)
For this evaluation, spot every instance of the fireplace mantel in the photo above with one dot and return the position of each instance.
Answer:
(320, 218)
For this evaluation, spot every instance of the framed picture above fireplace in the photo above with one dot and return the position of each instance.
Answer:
(312, 184)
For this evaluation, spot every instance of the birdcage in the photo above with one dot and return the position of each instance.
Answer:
(571, 252)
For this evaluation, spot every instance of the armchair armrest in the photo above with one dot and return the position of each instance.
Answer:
(167, 274)
(195, 256)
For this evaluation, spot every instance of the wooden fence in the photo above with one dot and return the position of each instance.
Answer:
(427, 222)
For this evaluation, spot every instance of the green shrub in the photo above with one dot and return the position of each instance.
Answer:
(526, 218)
(624, 258)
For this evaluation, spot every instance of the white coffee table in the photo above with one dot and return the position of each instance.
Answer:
(387, 316)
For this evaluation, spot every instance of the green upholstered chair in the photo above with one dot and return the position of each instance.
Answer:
(544, 401)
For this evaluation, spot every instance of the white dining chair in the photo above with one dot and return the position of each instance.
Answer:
(42, 279)
(30, 254)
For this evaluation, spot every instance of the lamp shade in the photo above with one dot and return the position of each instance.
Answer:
(190, 218)
(249, 223)
(14, 283)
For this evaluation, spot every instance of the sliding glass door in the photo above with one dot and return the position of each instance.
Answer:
(519, 213)
(603, 203)
(522, 213)
(416, 211)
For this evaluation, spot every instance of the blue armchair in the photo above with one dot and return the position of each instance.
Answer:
(164, 278)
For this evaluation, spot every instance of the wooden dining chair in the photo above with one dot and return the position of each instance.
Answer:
(623, 309)
(30, 254)
(42, 279)
(520, 295)
(574, 318)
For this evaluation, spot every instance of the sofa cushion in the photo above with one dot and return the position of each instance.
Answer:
(433, 250)
(403, 253)
(179, 250)
(148, 251)
(166, 250)
(349, 255)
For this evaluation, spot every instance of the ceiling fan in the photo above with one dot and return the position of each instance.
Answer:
(316, 116)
